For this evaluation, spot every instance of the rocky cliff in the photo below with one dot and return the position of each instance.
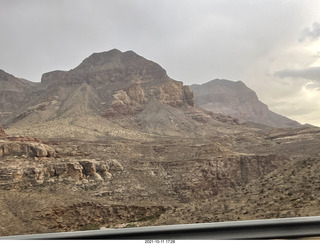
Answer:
(239, 101)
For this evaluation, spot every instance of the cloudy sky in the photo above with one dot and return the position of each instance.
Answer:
(273, 46)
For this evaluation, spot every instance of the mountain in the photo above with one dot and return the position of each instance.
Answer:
(121, 144)
(13, 94)
(239, 101)
(113, 93)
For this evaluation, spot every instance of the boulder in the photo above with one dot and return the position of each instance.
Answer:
(89, 169)
(74, 170)
(102, 168)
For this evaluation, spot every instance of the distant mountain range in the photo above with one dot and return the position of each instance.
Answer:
(239, 101)
(122, 94)
(114, 93)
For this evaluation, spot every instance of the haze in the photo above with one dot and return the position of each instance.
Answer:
(272, 46)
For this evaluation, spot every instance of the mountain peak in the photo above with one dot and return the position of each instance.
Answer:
(113, 66)
(117, 60)
(237, 100)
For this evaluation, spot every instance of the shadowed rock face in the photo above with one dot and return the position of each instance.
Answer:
(237, 100)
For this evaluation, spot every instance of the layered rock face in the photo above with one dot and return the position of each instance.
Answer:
(237, 100)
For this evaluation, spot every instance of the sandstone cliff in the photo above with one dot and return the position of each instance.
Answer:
(239, 101)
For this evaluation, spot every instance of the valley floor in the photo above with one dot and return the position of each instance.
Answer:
(124, 183)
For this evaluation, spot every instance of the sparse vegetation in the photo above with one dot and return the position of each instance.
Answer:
(125, 147)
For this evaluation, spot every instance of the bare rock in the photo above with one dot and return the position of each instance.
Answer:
(60, 170)
(74, 169)
(70, 170)
(19, 148)
(12, 173)
(35, 174)
(89, 169)
(102, 169)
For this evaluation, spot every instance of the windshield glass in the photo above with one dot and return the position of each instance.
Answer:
(118, 114)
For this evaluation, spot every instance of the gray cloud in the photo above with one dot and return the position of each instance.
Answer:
(312, 73)
(312, 33)
(195, 41)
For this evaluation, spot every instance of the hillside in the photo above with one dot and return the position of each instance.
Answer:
(14, 93)
(289, 191)
(239, 101)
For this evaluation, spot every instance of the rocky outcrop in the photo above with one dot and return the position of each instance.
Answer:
(239, 101)
(132, 99)
(20, 170)
(30, 149)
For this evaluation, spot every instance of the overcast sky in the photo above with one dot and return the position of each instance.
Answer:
(273, 46)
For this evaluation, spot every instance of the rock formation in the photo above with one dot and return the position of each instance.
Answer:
(31, 149)
(239, 101)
